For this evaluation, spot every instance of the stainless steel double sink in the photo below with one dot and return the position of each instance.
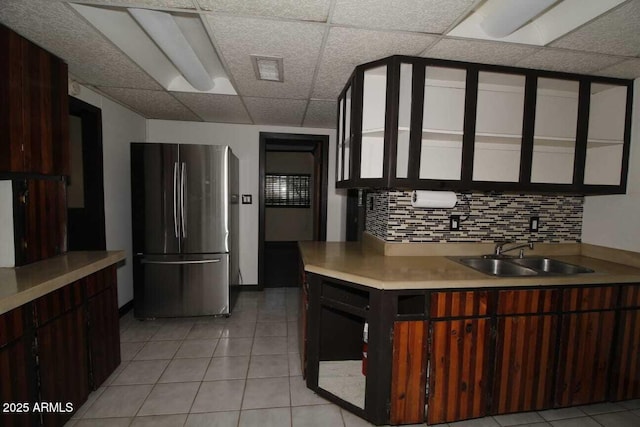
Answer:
(520, 267)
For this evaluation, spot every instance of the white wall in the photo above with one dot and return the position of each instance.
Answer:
(120, 126)
(244, 141)
(612, 221)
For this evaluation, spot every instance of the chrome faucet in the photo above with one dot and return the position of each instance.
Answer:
(500, 250)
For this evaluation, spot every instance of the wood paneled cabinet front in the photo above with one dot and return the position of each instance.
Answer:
(19, 388)
(58, 348)
(62, 351)
(526, 331)
(422, 123)
(34, 112)
(103, 325)
(40, 219)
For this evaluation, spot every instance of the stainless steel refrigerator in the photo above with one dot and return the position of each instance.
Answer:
(185, 229)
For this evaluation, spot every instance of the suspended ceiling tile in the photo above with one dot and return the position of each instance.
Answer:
(321, 114)
(347, 47)
(567, 61)
(55, 27)
(298, 43)
(215, 108)
(629, 69)
(152, 104)
(479, 51)
(430, 16)
(272, 111)
(617, 32)
(308, 10)
(179, 4)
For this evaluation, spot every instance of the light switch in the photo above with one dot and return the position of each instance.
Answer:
(246, 199)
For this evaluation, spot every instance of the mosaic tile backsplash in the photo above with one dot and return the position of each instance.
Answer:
(491, 218)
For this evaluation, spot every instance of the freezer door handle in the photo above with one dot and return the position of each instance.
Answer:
(201, 261)
(175, 194)
(183, 187)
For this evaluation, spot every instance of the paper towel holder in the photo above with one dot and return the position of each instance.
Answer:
(434, 199)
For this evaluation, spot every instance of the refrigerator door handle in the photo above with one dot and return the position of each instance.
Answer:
(183, 188)
(175, 194)
(201, 261)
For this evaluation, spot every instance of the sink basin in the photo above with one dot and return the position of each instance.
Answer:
(521, 267)
(551, 266)
(497, 267)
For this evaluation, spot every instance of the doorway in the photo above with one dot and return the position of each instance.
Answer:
(292, 202)
(85, 187)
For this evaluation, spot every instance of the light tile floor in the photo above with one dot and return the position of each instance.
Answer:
(245, 371)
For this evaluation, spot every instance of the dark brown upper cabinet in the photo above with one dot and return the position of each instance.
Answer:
(34, 112)
(421, 123)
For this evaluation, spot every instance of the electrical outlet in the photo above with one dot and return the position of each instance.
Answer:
(454, 222)
(534, 224)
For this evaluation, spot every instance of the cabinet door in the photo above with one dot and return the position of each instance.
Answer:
(583, 363)
(104, 326)
(608, 132)
(458, 370)
(554, 139)
(408, 372)
(374, 136)
(16, 358)
(442, 123)
(36, 114)
(625, 375)
(499, 127)
(63, 366)
(525, 357)
(42, 229)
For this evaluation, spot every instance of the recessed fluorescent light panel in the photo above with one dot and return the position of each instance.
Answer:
(268, 68)
(535, 22)
(174, 49)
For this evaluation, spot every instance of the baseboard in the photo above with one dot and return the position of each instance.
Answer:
(126, 308)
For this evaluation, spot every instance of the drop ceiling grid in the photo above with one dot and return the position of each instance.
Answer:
(58, 29)
(479, 51)
(298, 43)
(617, 31)
(427, 16)
(152, 104)
(321, 114)
(568, 61)
(628, 69)
(215, 108)
(275, 111)
(347, 47)
(307, 10)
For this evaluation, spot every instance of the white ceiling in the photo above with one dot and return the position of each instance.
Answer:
(321, 42)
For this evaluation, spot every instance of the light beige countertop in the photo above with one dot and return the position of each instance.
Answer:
(365, 265)
(21, 285)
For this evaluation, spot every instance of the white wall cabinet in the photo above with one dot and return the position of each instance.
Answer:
(421, 123)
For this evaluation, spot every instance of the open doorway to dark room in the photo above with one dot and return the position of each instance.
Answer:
(293, 202)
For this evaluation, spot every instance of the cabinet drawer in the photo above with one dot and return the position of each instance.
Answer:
(100, 280)
(459, 304)
(588, 299)
(630, 296)
(58, 302)
(528, 301)
(11, 325)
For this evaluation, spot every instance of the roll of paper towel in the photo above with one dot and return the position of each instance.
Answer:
(433, 199)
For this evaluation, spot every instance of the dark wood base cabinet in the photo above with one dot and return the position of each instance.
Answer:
(16, 357)
(59, 347)
(443, 356)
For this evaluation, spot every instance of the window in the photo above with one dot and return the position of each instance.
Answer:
(287, 190)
